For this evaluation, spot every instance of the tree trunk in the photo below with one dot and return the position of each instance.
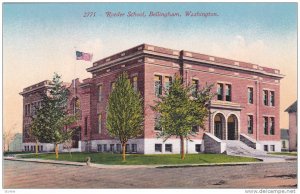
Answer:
(56, 151)
(182, 147)
(36, 148)
(123, 152)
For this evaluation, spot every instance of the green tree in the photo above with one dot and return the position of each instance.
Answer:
(181, 108)
(125, 112)
(51, 121)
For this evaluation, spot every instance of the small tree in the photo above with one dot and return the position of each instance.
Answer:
(68, 145)
(125, 112)
(50, 125)
(179, 111)
(8, 137)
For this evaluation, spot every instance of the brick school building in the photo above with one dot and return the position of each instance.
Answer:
(245, 109)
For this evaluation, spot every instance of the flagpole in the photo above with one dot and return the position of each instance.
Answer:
(74, 71)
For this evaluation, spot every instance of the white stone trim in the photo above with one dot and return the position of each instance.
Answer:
(260, 145)
(94, 144)
(189, 145)
(47, 147)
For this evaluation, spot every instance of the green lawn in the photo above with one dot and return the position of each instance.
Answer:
(140, 159)
(284, 153)
(12, 153)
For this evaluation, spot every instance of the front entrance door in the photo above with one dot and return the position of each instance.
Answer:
(219, 122)
(232, 128)
(231, 131)
(218, 130)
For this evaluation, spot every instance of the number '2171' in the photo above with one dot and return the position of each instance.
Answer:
(89, 14)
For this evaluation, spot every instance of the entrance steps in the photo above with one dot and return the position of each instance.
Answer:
(236, 147)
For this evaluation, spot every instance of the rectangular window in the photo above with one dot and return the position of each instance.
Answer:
(195, 86)
(158, 148)
(265, 94)
(272, 126)
(250, 95)
(228, 92)
(104, 147)
(85, 125)
(220, 92)
(168, 148)
(99, 123)
(198, 147)
(133, 148)
(27, 110)
(168, 81)
(195, 129)
(157, 126)
(127, 148)
(99, 93)
(250, 124)
(158, 85)
(135, 83)
(112, 147)
(112, 86)
(118, 148)
(272, 148)
(42, 149)
(266, 125)
(283, 144)
(266, 148)
(26, 131)
(272, 98)
(33, 108)
(99, 148)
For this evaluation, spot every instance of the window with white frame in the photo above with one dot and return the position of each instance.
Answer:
(265, 97)
(250, 124)
(228, 92)
(198, 147)
(158, 147)
(272, 98)
(99, 123)
(133, 148)
(99, 93)
(112, 148)
(168, 81)
(118, 148)
(250, 95)
(168, 147)
(220, 91)
(135, 83)
(272, 126)
(195, 86)
(266, 128)
(158, 85)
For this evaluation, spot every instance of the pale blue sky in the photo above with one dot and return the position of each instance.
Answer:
(39, 38)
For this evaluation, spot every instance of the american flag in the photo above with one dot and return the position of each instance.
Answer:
(83, 56)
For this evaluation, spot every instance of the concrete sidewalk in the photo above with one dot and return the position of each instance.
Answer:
(104, 166)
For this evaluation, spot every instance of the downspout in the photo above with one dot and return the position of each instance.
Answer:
(181, 65)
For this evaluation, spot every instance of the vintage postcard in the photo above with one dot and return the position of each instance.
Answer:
(150, 95)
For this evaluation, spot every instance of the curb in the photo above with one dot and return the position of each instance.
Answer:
(129, 166)
(45, 161)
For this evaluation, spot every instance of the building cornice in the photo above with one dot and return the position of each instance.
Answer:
(145, 50)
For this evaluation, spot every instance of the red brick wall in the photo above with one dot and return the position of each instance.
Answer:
(151, 60)
(106, 78)
(293, 131)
